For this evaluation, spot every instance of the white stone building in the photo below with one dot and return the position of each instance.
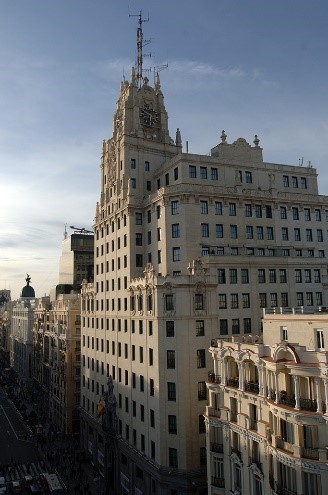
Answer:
(187, 248)
(266, 422)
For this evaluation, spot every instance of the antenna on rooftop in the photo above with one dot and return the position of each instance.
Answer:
(140, 44)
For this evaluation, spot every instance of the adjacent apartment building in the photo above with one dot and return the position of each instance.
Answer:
(188, 248)
(266, 422)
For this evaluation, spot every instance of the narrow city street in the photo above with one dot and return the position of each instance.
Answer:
(28, 452)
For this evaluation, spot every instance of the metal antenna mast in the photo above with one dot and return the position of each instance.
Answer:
(140, 44)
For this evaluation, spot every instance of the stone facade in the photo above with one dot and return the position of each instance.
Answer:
(266, 422)
(187, 248)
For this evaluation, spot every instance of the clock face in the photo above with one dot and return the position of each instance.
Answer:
(149, 117)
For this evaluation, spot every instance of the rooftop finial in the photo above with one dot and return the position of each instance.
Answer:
(223, 137)
(256, 140)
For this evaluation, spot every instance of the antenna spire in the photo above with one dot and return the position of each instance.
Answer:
(140, 45)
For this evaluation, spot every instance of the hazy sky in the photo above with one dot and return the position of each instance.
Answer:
(245, 66)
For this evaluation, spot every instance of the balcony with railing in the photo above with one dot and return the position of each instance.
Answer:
(213, 378)
(286, 399)
(233, 382)
(217, 447)
(252, 387)
(310, 453)
(279, 489)
(218, 482)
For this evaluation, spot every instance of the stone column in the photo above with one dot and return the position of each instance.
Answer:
(241, 368)
(224, 371)
(297, 391)
(276, 381)
(268, 373)
(326, 393)
(318, 394)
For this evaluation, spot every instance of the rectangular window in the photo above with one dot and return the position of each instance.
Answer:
(174, 207)
(173, 457)
(214, 173)
(221, 276)
(170, 359)
(223, 327)
(138, 218)
(307, 276)
(248, 177)
(170, 329)
(298, 276)
(320, 339)
(297, 234)
(235, 325)
(232, 209)
(284, 299)
(203, 172)
(176, 173)
(171, 391)
(204, 230)
(258, 211)
(285, 180)
(303, 183)
(202, 391)
(284, 233)
(147, 166)
(268, 211)
(319, 235)
(308, 235)
(249, 232)
(200, 328)
(133, 163)
(272, 276)
(317, 276)
(219, 230)
(139, 260)
(244, 276)
(273, 300)
(248, 210)
(233, 276)
(318, 298)
(307, 214)
(204, 207)
(199, 301)
(294, 182)
(201, 359)
(309, 299)
(175, 230)
(218, 208)
(261, 275)
(283, 212)
(138, 239)
(233, 232)
(172, 422)
(299, 299)
(246, 301)
(295, 213)
(263, 300)
(169, 302)
(176, 254)
(317, 214)
(259, 233)
(283, 276)
(270, 235)
(222, 301)
(192, 172)
(233, 301)
(247, 325)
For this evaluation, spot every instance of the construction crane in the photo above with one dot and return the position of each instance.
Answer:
(82, 230)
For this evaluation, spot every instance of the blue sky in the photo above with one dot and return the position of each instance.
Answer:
(246, 66)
